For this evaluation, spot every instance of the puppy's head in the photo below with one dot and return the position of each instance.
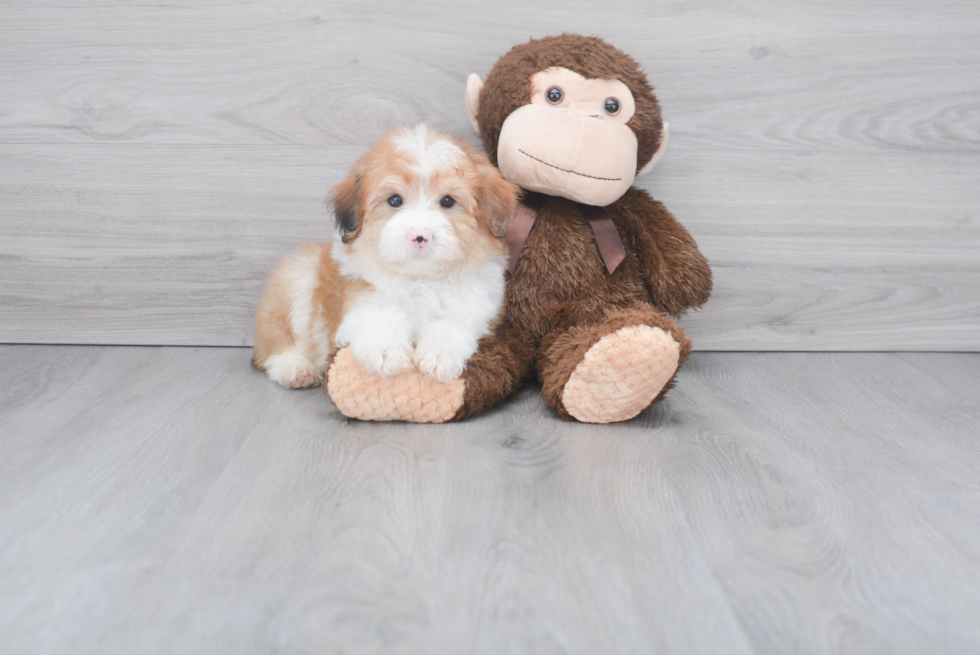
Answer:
(424, 204)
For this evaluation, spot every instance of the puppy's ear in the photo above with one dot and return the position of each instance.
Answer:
(498, 198)
(347, 207)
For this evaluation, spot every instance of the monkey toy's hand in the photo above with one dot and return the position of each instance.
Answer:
(492, 373)
(675, 271)
(408, 396)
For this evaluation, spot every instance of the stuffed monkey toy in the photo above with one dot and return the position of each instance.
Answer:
(597, 266)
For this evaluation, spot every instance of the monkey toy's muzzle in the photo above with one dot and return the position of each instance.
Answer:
(590, 159)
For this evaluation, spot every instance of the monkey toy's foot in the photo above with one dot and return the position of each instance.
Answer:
(408, 396)
(621, 374)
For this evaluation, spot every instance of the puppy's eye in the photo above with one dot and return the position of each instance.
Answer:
(395, 200)
(612, 106)
(554, 95)
(447, 201)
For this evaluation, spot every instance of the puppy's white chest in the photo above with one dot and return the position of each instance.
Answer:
(422, 301)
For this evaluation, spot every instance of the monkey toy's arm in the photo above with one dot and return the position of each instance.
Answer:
(496, 370)
(493, 373)
(675, 271)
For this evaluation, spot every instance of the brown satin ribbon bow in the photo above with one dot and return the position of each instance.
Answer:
(607, 237)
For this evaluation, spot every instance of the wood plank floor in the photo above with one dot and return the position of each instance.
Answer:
(172, 500)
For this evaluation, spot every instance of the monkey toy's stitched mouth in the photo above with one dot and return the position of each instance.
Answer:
(565, 170)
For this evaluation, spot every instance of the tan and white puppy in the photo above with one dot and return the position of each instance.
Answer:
(415, 276)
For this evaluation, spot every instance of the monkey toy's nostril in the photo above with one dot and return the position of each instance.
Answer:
(420, 238)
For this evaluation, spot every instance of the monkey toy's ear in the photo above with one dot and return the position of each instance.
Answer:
(473, 87)
(660, 150)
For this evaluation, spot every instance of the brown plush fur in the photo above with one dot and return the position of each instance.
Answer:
(560, 298)
(508, 86)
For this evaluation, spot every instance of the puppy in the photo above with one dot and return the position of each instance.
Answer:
(415, 276)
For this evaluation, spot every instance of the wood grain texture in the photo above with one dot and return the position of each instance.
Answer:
(172, 500)
(156, 159)
(958, 372)
(171, 244)
(801, 75)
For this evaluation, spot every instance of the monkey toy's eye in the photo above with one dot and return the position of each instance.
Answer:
(612, 106)
(554, 95)
(395, 200)
(447, 201)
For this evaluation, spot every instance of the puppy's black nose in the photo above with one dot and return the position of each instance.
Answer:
(420, 238)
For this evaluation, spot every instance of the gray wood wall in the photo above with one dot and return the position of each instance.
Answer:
(156, 160)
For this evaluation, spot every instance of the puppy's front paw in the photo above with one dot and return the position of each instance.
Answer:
(439, 362)
(384, 359)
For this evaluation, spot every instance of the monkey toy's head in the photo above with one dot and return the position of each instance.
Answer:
(568, 116)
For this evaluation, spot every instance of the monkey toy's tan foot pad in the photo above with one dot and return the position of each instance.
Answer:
(408, 396)
(621, 374)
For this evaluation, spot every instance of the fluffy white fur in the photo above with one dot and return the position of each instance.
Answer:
(429, 156)
(435, 323)
(292, 369)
